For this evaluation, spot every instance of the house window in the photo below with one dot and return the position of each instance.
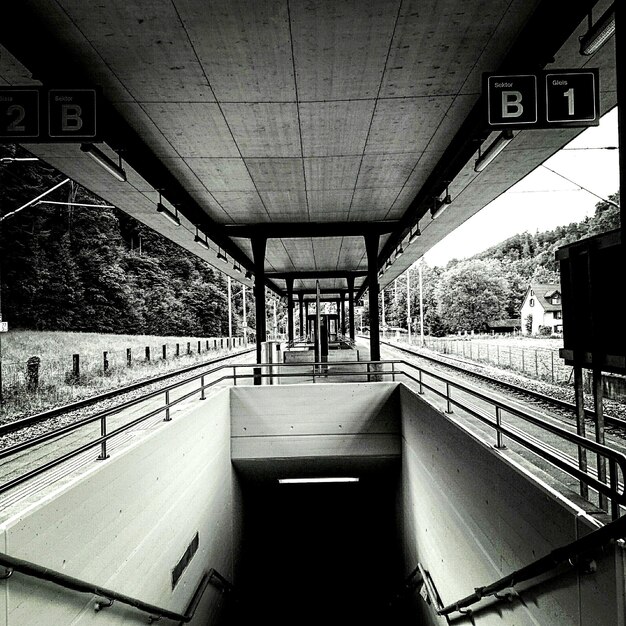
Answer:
(531, 302)
(558, 328)
(532, 293)
(556, 300)
(558, 315)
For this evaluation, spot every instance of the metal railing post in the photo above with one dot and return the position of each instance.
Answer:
(393, 372)
(103, 446)
(614, 488)
(448, 404)
(499, 443)
(202, 396)
(421, 391)
(167, 417)
(235, 375)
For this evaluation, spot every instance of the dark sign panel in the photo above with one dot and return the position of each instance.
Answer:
(512, 100)
(41, 115)
(19, 114)
(72, 113)
(545, 99)
(571, 97)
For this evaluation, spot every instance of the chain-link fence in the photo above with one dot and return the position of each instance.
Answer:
(540, 363)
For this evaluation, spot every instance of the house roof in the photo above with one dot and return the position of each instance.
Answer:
(544, 291)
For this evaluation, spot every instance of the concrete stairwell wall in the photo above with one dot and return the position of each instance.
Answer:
(471, 516)
(127, 522)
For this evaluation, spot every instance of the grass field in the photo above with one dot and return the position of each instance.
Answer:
(57, 379)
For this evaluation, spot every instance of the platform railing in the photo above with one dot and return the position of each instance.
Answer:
(452, 392)
(106, 597)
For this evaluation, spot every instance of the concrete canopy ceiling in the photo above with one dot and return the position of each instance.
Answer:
(255, 116)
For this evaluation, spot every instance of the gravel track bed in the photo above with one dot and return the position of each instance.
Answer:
(46, 426)
(611, 407)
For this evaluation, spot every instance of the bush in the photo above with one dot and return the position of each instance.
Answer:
(545, 331)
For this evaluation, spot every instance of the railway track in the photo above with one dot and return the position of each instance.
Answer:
(544, 399)
(85, 403)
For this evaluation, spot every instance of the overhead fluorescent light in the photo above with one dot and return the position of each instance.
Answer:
(440, 205)
(237, 267)
(305, 481)
(203, 243)
(171, 216)
(414, 235)
(599, 33)
(104, 161)
(499, 143)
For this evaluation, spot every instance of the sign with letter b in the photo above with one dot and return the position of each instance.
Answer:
(512, 100)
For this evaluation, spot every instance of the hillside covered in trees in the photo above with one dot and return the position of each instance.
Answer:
(97, 269)
(467, 294)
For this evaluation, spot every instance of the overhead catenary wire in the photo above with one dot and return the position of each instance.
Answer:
(34, 200)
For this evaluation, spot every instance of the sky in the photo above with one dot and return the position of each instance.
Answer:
(542, 200)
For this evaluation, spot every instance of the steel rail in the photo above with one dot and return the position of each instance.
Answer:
(13, 426)
(564, 404)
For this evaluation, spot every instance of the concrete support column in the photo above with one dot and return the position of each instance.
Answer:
(301, 303)
(258, 253)
(371, 246)
(342, 317)
(289, 309)
(351, 306)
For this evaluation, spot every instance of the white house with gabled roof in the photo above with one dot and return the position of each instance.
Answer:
(542, 304)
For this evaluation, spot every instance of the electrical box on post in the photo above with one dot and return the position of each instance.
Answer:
(594, 336)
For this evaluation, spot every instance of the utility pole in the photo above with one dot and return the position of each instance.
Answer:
(275, 320)
(421, 305)
(230, 314)
(408, 302)
(245, 320)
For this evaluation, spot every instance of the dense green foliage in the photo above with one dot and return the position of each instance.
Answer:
(467, 294)
(97, 269)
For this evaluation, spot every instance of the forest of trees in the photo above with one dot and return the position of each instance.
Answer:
(97, 269)
(467, 294)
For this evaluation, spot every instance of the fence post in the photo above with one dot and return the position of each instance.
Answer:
(202, 396)
(421, 391)
(105, 361)
(234, 375)
(32, 373)
(523, 364)
(536, 364)
(165, 352)
(177, 349)
(498, 354)
(147, 353)
(129, 357)
(207, 344)
(76, 367)
(552, 364)
(393, 372)
(199, 347)
(189, 347)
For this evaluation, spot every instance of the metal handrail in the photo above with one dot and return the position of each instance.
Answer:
(76, 584)
(617, 460)
(577, 552)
